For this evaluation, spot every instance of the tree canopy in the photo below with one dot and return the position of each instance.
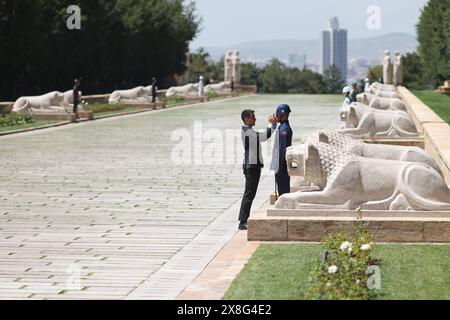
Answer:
(275, 77)
(433, 32)
(121, 44)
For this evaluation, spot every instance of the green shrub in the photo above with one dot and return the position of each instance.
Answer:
(174, 100)
(102, 107)
(212, 95)
(15, 119)
(342, 273)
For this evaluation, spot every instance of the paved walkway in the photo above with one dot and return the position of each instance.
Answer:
(100, 210)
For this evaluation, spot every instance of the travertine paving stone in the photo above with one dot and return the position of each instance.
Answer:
(103, 202)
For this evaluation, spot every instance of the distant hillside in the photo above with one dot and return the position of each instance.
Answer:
(368, 48)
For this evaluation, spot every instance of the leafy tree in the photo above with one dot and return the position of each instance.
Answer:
(274, 77)
(333, 78)
(198, 65)
(216, 70)
(201, 64)
(305, 81)
(413, 72)
(434, 41)
(122, 43)
(250, 74)
(375, 74)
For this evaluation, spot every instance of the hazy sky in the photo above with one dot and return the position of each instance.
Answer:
(229, 22)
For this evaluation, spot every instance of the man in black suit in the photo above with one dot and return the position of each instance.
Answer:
(253, 161)
(76, 95)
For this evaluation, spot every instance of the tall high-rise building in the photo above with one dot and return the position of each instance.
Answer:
(333, 49)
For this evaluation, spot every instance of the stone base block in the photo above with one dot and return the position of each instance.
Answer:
(228, 94)
(249, 89)
(198, 99)
(146, 105)
(398, 227)
(89, 115)
(443, 90)
(99, 98)
(55, 116)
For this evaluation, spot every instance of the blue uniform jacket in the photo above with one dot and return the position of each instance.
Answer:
(282, 142)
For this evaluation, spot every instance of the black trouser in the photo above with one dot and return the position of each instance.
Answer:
(283, 180)
(252, 177)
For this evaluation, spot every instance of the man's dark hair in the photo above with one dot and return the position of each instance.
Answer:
(246, 114)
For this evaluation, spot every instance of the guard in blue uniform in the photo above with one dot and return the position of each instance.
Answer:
(283, 141)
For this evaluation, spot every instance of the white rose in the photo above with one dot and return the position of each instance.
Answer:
(333, 269)
(366, 247)
(344, 246)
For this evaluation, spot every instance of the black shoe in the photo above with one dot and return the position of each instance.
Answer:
(243, 226)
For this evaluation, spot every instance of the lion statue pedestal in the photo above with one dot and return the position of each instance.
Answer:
(347, 181)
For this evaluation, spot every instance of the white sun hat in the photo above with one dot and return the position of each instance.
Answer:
(346, 89)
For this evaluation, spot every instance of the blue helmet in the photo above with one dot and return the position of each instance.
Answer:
(283, 109)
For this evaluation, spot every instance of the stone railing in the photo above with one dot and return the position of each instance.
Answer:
(436, 131)
(6, 107)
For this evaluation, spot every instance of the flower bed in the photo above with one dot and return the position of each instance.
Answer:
(344, 271)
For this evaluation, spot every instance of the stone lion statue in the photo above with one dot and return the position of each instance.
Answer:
(383, 87)
(375, 151)
(187, 91)
(223, 87)
(138, 94)
(347, 181)
(385, 94)
(367, 123)
(50, 102)
(381, 103)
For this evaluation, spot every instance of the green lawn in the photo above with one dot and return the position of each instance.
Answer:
(439, 102)
(280, 271)
(28, 125)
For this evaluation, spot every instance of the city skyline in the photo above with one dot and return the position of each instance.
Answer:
(260, 20)
(334, 49)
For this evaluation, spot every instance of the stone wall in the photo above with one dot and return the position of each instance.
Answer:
(436, 131)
